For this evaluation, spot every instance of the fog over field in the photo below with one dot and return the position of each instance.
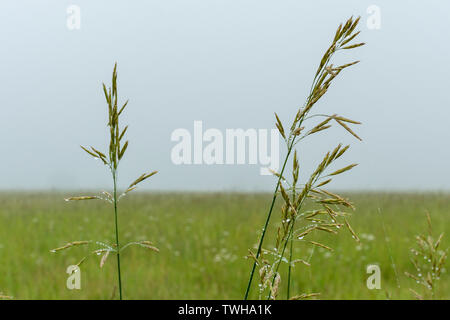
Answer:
(281, 150)
(231, 65)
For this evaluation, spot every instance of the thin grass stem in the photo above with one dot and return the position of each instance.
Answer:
(289, 272)
(117, 234)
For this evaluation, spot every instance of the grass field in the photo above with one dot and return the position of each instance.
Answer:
(203, 239)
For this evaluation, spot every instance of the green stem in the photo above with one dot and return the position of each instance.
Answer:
(294, 195)
(290, 234)
(117, 234)
(267, 221)
(291, 231)
(289, 272)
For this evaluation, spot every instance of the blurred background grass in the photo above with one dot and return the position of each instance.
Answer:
(203, 239)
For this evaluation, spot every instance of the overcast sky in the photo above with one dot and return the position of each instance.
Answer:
(230, 64)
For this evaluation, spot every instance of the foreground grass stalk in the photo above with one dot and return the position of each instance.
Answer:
(115, 154)
(289, 270)
(325, 74)
(289, 239)
(266, 224)
(295, 174)
(116, 224)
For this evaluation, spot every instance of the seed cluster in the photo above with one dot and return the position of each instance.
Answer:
(428, 260)
(115, 154)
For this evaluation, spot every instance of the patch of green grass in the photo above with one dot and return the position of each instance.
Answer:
(203, 239)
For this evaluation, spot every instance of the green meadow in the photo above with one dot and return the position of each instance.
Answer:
(203, 240)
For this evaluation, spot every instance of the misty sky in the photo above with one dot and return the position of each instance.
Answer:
(230, 64)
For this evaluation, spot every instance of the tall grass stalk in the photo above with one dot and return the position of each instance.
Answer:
(115, 153)
(323, 78)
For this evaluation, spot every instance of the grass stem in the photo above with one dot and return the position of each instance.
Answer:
(117, 234)
(289, 272)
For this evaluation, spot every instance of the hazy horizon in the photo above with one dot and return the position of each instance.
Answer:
(230, 65)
